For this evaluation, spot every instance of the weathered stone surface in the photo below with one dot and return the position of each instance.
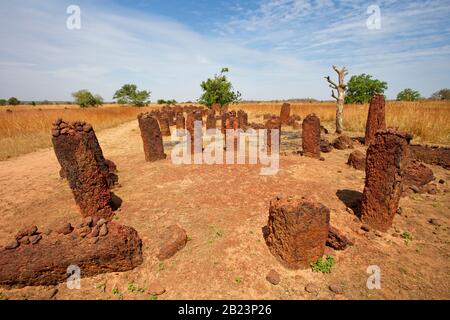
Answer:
(343, 142)
(46, 261)
(173, 240)
(337, 240)
(325, 146)
(164, 125)
(375, 119)
(211, 121)
(439, 156)
(297, 231)
(285, 113)
(312, 288)
(155, 288)
(151, 138)
(357, 160)
(417, 174)
(273, 277)
(311, 136)
(272, 126)
(387, 158)
(79, 154)
(180, 121)
(242, 118)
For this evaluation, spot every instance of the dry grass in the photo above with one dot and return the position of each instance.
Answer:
(27, 129)
(428, 121)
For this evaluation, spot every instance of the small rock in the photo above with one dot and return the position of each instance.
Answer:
(312, 288)
(156, 289)
(399, 210)
(435, 222)
(93, 240)
(378, 234)
(29, 231)
(365, 228)
(87, 221)
(84, 231)
(415, 189)
(441, 181)
(336, 288)
(25, 240)
(103, 230)
(87, 128)
(64, 228)
(12, 245)
(273, 277)
(173, 240)
(35, 239)
(101, 222)
(95, 232)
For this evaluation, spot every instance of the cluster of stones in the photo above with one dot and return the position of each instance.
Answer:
(81, 159)
(95, 245)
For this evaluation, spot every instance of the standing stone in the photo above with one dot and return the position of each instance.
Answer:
(243, 118)
(285, 113)
(273, 124)
(311, 136)
(76, 149)
(225, 116)
(375, 118)
(180, 121)
(297, 231)
(386, 161)
(216, 108)
(164, 125)
(151, 138)
(211, 120)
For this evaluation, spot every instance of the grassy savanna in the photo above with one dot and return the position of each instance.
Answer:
(28, 128)
(428, 121)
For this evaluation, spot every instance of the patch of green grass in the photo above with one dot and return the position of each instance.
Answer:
(153, 297)
(407, 237)
(133, 288)
(217, 233)
(323, 266)
(161, 266)
(238, 280)
(115, 291)
(189, 238)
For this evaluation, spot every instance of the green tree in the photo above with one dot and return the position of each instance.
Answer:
(129, 94)
(162, 101)
(86, 99)
(408, 95)
(218, 90)
(443, 94)
(13, 101)
(361, 88)
(3, 102)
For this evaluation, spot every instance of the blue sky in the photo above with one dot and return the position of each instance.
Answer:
(275, 49)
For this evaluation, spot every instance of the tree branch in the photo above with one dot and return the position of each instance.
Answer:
(332, 84)
(333, 95)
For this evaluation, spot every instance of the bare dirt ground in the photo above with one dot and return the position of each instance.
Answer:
(223, 209)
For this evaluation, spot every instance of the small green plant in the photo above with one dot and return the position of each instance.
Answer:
(189, 238)
(133, 288)
(115, 291)
(161, 266)
(407, 237)
(323, 266)
(153, 297)
(217, 233)
(238, 280)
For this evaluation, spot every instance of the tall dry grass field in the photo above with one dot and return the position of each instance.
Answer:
(27, 129)
(428, 121)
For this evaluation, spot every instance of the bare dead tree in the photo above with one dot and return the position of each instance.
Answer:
(340, 98)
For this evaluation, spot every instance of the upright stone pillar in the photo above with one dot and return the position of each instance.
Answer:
(77, 150)
(375, 118)
(311, 136)
(151, 138)
(297, 231)
(273, 124)
(386, 161)
(211, 120)
(285, 113)
(164, 125)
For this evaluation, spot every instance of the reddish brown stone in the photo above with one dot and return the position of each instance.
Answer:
(180, 121)
(343, 142)
(311, 136)
(357, 160)
(271, 125)
(164, 125)
(225, 116)
(337, 240)
(386, 161)
(375, 118)
(173, 240)
(216, 108)
(79, 154)
(211, 120)
(325, 146)
(243, 118)
(439, 156)
(273, 277)
(417, 174)
(297, 231)
(151, 138)
(285, 113)
(46, 261)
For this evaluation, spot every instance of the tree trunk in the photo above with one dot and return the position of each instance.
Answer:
(340, 88)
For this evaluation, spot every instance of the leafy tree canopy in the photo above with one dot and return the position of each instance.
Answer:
(3, 102)
(361, 88)
(129, 94)
(162, 101)
(443, 94)
(218, 90)
(86, 99)
(408, 95)
(13, 101)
